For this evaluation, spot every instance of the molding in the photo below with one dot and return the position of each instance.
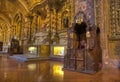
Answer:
(38, 4)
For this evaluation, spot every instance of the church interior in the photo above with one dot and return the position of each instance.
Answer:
(59, 40)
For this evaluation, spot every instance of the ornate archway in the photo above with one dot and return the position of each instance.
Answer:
(17, 25)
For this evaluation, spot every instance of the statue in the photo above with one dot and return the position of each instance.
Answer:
(65, 22)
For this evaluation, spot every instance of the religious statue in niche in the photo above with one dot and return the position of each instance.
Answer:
(65, 19)
(65, 22)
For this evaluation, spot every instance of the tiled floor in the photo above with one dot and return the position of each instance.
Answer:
(49, 71)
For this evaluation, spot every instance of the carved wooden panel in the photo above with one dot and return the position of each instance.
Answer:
(98, 12)
(86, 6)
(115, 18)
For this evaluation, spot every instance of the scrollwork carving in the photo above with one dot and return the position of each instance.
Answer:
(114, 19)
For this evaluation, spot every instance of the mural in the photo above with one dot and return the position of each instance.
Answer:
(86, 6)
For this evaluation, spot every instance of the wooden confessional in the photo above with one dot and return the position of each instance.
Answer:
(15, 47)
(1, 46)
(84, 53)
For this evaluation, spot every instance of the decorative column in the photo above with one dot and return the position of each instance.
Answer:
(101, 14)
(105, 30)
(36, 23)
(30, 17)
(56, 37)
(20, 36)
(72, 10)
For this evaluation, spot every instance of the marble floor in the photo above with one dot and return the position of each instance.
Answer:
(49, 71)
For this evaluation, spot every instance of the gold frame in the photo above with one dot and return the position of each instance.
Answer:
(44, 50)
(52, 50)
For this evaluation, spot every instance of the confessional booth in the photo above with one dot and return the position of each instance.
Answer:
(83, 51)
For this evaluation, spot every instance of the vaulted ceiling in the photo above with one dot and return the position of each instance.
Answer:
(8, 8)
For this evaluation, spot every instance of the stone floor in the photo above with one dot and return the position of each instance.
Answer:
(49, 71)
